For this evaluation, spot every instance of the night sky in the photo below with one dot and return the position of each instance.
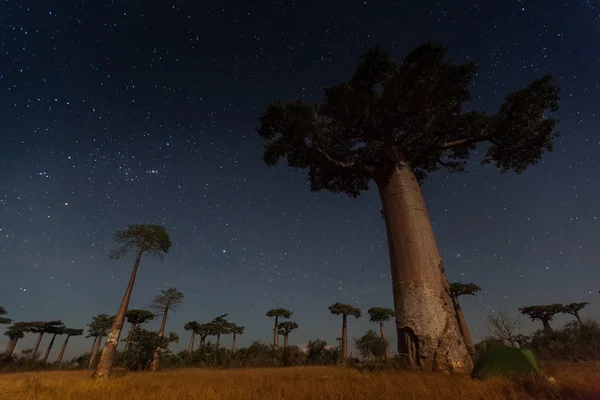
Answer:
(120, 112)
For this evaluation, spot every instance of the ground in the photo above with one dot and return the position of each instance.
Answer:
(573, 381)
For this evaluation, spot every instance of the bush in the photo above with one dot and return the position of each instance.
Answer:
(571, 342)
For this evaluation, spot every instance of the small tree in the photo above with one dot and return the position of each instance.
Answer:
(137, 317)
(278, 313)
(143, 239)
(285, 328)
(319, 353)
(371, 346)
(381, 315)
(344, 310)
(573, 309)
(543, 313)
(458, 289)
(69, 332)
(168, 300)
(504, 328)
(142, 348)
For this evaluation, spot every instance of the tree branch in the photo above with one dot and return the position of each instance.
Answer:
(343, 164)
(464, 142)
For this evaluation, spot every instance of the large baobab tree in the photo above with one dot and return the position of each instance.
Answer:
(69, 332)
(54, 331)
(191, 326)
(14, 333)
(543, 313)
(135, 318)
(285, 328)
(168, 300)
(142, 239)
(393, 123)
(458, 289)
(98, 328)
(4, 320)
(573, 309)
(278, 313)
(381, 315)
(344, 310)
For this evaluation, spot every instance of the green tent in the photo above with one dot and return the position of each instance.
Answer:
(502, 360)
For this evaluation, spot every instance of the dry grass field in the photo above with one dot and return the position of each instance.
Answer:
(573, 381)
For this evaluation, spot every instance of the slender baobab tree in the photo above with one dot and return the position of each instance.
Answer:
(285, 328)
(54, 331)
(142, 239)
(14, 333)
(278, 313)
(191, 326)
(69, 332)
(235, 330)
(168, 300)
(573, 309)
(458, 289)
(98, 329)
(381, 315)
(344, 310)
(392, 123)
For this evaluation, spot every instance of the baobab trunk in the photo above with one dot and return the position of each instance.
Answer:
(202, 341)
(233, 343)
(578, 319)
(547, 326)
(133, 326)
(49, 348)
(344, 338)
(10, 346)
(464, 329)
(387, 348)
(285, 341)
(218, 340)
(110, 348)
(94, 353)
(426, 323)
(191, 346)
(156, 355)
(62, 350)
(275, 332)
(36, 346)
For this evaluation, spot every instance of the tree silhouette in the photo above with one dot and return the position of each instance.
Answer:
(504, 328)
(543, 313)
(53, 330)
(142, 239)
(393, 123)
(69, 332)
(234, 330)
(458, 289)
(371, 346)
(40, 327)
(98, 328)
(191, 326)
(573, 309)
(381, 315)
(168, 300)
(217, 327)
(285, 328)
(136, 317)
(4, 320)
(344, 310)
(204, 330)
(14, 333)
(278, 313)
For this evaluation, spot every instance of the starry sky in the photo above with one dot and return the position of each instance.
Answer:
(117, 112)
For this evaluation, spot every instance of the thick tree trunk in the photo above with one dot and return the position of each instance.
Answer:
(62, 350)
(387, 348)
(578, 319)
(161, 333)
(94, 354)
(285, 340)
(426, 323)
(547, 326)
(110, 349)
(191, 345)
(133, 326)
(8, 346)
(92, 349)
(464, 329)
(202, 341)
(49, 348)
(275, 333)
(36, 346)
(344, 355)
(233, 343)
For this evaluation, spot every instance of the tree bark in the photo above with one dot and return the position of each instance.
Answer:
(233, 343)
(464, 329)
(94, 354)
(218, 340)
(202, 341)
(387, 348)
(161, 333)
(36, 346)
(13, 347)
(191, 346)
(9, 346)
(426, 323)
(344, 338)
(547, 326)
(578, 319)
(275, 333)
(49, 348)
(110, 348)
(285, 340)
(133, 326)
(62, 350)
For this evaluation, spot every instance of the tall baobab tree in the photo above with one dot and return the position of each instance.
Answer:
(14, 333)
(278, 313)
(381, 315)
(219, 326)
(4, 320)
(344, 310)
(98, 328)
(285, 328)
(142, 239)
(191, 326)
(168, 300)
(458, 289)
(235, 330)
(69, 332)
(135, 318)
(543, 313)
(53, 330)
(394, 122)
(573, 309)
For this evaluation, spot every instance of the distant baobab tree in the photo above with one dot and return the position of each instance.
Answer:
(235, 330)
(278, 313)
(344, 310)
(98, 329)
(392, 123)
(191, 326)
(142, 239)
(40, 327)
(168, 300)
(54, 331)
(219, 326)
(136, 317)
(573, 309)
(458, 289)
(14, 333)
(543, 313)
(285, 328)
(69, 332)
(381, 315)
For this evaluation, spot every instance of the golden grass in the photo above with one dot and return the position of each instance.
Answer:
(573, 381)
